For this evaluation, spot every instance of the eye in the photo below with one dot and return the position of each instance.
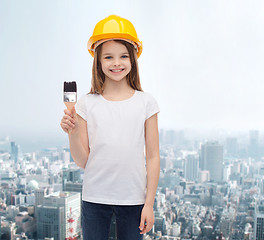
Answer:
(125, 56)
(108, 57)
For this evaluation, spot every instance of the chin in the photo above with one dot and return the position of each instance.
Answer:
(118, 79)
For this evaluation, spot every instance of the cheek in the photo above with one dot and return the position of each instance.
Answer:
(128, 65)
(104, 67)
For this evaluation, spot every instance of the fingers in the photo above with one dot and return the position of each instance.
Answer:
(67, 119)
(147, 227)
(65, 127)
(68, 122)
(71, 113)
(146, 223)
(142, 225)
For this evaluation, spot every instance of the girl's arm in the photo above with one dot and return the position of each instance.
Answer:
(79, 143)
(76, 127)
(152, 158)
(153, 172)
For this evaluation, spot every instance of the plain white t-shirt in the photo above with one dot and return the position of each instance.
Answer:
(115, 172)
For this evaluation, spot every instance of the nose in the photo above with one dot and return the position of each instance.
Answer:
(116, 62)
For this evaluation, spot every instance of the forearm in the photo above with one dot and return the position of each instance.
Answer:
(78, 151)
(153, 172)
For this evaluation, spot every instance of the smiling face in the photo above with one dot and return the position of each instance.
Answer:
(115, 61)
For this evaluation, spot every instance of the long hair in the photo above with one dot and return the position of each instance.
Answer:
(98, 77)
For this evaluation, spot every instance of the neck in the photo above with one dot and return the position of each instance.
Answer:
(116, 87)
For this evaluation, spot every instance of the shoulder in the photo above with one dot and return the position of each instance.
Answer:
(85, 103)
(147, 97)
(86, 100)
(150, 104)
(88, 97)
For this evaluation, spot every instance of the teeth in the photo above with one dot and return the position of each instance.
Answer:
(117, 70)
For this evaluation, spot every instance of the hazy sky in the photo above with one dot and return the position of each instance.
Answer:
(202, 60)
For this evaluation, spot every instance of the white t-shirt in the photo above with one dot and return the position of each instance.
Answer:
(115, 172)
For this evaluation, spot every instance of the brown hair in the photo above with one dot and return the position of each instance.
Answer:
(98, 77)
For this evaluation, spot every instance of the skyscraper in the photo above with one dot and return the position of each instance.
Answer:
(50, 222)
(56, 209)
(231, 146)
(14, 151)
(212, 160)
(191, 167)
(259, 223)
(39, 196)
(67, 150)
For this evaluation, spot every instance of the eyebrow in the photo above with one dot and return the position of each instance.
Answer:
(111, 53)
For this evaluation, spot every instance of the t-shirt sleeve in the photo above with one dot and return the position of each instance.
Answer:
(81, 108)
(152, 106)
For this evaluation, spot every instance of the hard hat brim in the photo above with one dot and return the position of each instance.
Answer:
(95, 38)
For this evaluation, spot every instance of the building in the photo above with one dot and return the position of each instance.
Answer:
(191, 166)
(160, 224)
(70, 175)
(203, 176)
(53, 215)
(211, 159)
(67, 157)
(225, 226)
(14, 152)
(73, 187)
(50, 222)
(259, 223)
(231, 146)
(166, 163)
(39, 196)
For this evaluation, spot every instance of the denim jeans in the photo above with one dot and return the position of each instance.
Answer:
(96, 221)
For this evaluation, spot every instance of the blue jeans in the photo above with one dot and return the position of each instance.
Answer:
(96, 221)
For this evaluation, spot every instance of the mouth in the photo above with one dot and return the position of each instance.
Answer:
(117, 70)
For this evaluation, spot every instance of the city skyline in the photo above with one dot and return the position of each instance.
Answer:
(207, 190)
(36, 143)
(202, 61)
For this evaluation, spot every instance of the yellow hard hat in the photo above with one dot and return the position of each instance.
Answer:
(114, 27)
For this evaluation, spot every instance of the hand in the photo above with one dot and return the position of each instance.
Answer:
(69, 122)
(147, 215)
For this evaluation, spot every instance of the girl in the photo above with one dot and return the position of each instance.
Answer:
(107, 134)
